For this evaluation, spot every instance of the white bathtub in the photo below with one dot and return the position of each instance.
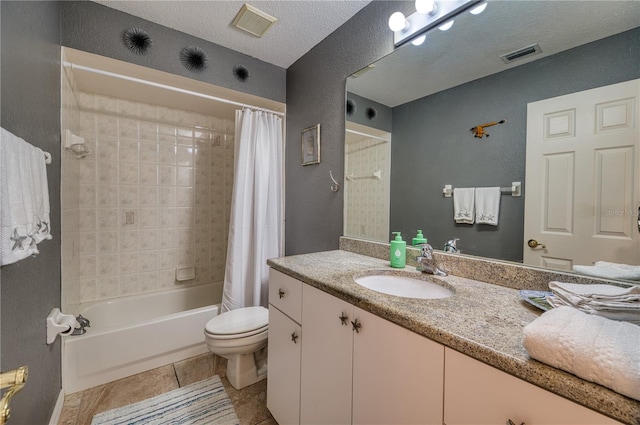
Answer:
(133, 334)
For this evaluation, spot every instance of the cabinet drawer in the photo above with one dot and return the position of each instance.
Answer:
(285, 293)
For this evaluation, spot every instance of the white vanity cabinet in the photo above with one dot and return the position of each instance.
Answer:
(476, 393)
(285, 340)
(359, 368)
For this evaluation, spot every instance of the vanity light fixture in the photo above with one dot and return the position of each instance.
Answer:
(430, 14)
(479, 9)
(446, 26)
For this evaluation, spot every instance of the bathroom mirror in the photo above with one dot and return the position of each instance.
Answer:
(427, 98)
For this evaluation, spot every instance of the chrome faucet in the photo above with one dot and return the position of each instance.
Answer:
(426, 262)
(450, 246)
(84, 323)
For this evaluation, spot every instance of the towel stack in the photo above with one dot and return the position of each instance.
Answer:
(476, 205)
(609, 270)
(612, 302)
(591, 347)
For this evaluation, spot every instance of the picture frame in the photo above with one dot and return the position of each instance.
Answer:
(310, 145)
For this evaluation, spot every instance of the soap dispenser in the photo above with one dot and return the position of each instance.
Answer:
(419, 239)
(398, 252)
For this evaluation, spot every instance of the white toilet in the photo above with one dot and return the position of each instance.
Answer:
(240, 336)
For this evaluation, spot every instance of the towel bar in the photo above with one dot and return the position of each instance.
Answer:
(515, 190)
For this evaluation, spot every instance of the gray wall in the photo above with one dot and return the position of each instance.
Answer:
(316, 94)
(431, 139)
(95, 28)
(30, 106)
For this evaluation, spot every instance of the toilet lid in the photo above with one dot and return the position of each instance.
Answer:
(247, 320)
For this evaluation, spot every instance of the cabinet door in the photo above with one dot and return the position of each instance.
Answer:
(397, 374)
(326, 359)
(478, 394)
(283, 380)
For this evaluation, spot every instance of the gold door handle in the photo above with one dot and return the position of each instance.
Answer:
(15, 380)
(534, 244)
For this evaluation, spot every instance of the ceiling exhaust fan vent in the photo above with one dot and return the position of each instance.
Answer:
(253, 20)
(519, 54)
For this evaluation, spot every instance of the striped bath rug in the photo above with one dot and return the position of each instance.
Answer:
(201, 403)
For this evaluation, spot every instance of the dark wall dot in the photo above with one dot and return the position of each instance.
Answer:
(193, 58)
(371, 113)
(137, 41)
(352, 107)
(241, 73)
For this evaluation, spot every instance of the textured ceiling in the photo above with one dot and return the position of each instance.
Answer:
(472, 48)
(300, 26)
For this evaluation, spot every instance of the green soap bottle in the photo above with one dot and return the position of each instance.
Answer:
(398, 252)
(419, 239)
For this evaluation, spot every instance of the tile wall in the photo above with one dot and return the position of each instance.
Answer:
(367, 200)
(154, 195)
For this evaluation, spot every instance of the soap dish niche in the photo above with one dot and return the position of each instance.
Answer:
(76, 145)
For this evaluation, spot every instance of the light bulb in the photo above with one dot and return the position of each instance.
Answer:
(426, 6)
(419, 40)
(446, 26)
(397, 22)
(479, 9)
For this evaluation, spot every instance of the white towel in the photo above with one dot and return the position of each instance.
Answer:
(591, 347)
(464, 205)
(487, 205)
(24, 199)
(609, 270)
(610, 301)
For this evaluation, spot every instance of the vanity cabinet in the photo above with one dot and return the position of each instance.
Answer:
(359, 368)
(476, 393)
(285, 340)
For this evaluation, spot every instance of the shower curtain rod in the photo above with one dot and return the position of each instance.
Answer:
(371, 136)
(167, 87)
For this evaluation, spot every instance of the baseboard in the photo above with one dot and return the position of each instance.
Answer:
(57, 410)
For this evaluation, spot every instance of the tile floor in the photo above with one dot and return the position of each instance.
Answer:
(250, 402)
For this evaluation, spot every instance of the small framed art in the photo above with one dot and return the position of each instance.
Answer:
(311, 145)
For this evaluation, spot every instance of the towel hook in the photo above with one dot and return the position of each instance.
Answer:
(335, 186)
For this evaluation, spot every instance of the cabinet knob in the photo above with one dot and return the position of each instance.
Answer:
(294, 337)
(356, 326)
(510, 422)
(281, 293)
(344, 319)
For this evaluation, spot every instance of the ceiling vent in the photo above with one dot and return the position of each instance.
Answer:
(363, 70)
(521, 53)
(253, 20)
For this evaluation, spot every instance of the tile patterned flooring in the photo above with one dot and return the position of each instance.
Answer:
(250, 402)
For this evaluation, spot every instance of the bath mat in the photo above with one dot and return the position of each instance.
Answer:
(200, 403)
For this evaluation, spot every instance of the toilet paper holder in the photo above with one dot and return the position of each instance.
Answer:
(59, 324)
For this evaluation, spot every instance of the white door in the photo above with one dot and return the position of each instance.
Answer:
(583, 178)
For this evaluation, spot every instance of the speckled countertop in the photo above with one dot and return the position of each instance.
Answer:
(481, 320)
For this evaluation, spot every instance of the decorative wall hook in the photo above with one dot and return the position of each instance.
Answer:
(335, 186)
(478, 131)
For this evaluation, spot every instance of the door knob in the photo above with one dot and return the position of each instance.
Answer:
(534, 244)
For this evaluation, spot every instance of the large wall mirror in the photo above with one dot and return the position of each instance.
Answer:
(411, 113)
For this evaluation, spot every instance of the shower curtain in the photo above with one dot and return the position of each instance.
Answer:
(255, 227)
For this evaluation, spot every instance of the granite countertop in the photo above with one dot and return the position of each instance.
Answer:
(481, 320)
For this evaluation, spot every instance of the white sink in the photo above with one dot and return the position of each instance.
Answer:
(403, 286)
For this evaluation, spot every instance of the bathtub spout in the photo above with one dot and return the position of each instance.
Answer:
(84, 323)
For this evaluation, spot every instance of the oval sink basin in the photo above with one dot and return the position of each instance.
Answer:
(403, 286)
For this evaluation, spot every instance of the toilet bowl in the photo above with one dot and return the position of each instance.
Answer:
(240, 336)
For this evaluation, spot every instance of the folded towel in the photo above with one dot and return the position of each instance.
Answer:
(487, 205)
(464, 205)
(610, 301)
(24, 199)
(609, 270)
(591, 347)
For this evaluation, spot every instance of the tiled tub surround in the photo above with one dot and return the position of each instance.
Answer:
(481, 320)
(155, 194)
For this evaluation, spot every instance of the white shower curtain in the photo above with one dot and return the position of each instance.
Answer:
(255, 227)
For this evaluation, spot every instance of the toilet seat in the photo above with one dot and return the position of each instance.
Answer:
(240, 323)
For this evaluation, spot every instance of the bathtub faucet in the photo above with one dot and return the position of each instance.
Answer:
(84, 323)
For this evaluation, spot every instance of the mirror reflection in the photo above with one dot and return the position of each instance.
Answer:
(578, 205)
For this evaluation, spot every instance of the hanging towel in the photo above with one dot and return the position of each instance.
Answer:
(464, 204)
(591, 347)
(487, 205)
(609, 270)
(24, 199)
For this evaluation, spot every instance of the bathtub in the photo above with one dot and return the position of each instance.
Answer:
(133, 334)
